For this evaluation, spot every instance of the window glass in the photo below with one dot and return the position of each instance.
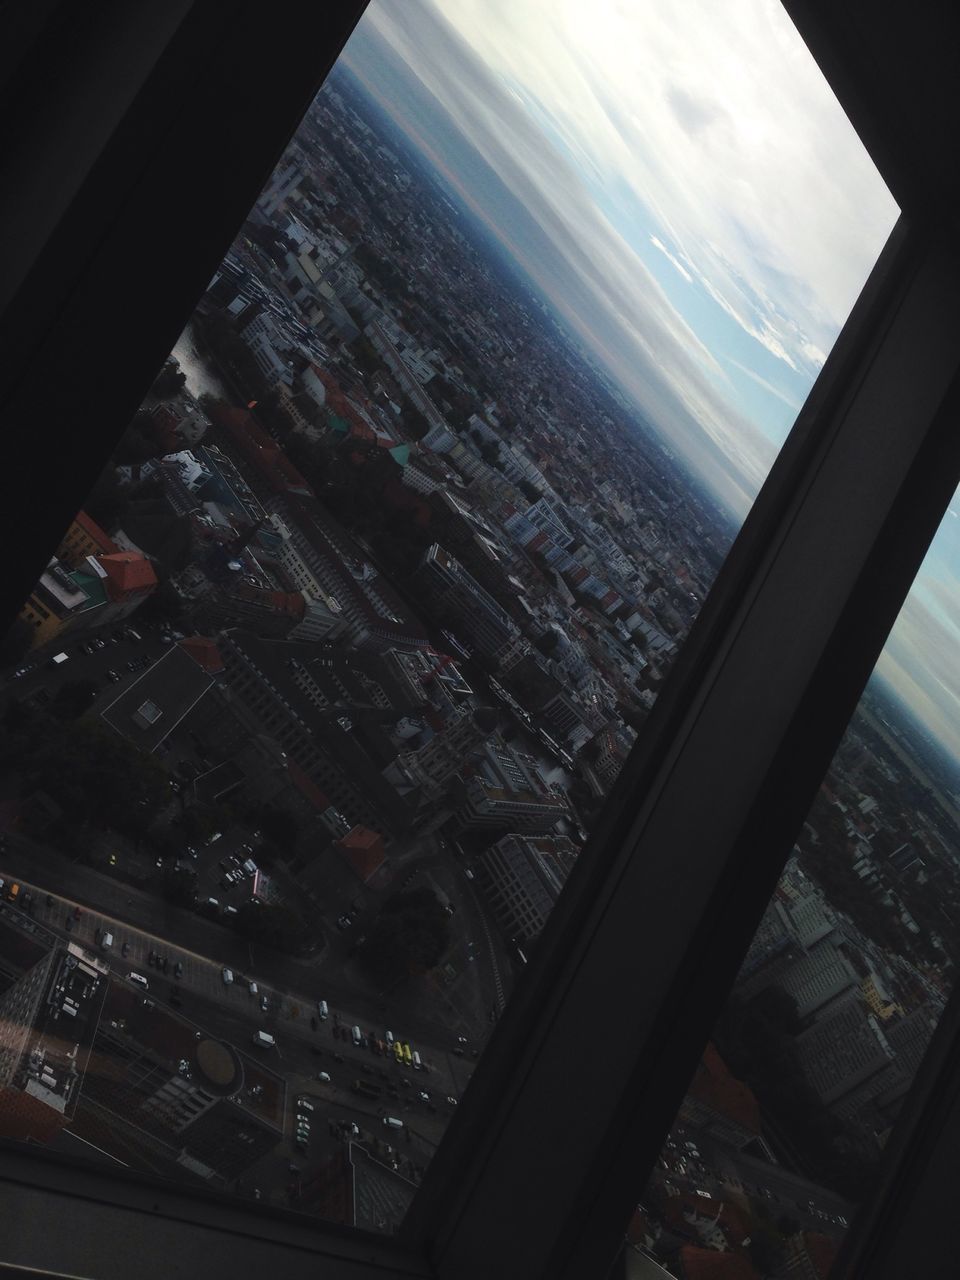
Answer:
(783, 1126)
(312, 710)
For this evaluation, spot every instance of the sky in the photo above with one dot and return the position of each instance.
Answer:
(677, 179)
(680, 183)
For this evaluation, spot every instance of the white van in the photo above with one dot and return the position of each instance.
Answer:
(322, 1009)
(389, 1038)
(140, 979)
(391, 1122)
(263, 1040)
(106, 942)
(416, 1061)
(357, 1036)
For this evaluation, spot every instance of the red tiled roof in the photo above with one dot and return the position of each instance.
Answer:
(204, 652)
(716, 1088)
(93, 530)
(364, 850)
(707, 1264)
(822, 1252)
(307, 787)
(128, 573)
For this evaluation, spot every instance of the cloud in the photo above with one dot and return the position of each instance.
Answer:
(587, 124)
(658, 244)
(693, 114)
(791, 401)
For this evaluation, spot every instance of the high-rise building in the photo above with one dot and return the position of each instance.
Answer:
(432, 766)
(522, 877)
(506, 789)
(844, 1047)
(458, 600)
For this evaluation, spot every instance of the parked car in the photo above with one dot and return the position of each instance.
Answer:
(113, 676)
(227, 976)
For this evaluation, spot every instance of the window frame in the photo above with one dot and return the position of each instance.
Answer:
(884, 370)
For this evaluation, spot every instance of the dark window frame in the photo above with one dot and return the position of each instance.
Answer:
(516, 1189)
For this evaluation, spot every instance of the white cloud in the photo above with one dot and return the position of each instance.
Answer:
(658, 244)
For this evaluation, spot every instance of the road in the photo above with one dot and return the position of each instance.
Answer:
(204, 948)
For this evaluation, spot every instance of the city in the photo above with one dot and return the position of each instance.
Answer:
(313, 711)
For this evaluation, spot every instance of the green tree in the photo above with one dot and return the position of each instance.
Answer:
(73, 699)
(411, 934)
(15, 643)
(168, 382)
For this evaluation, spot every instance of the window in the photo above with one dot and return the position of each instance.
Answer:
(777, 1144)
(872, 508)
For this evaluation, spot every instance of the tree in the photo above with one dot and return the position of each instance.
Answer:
(15, 643)
(409, 937)
(73, 699)
(107, 500)
(280, 827)
(168, 382)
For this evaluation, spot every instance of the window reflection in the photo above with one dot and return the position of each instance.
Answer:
(315, 705)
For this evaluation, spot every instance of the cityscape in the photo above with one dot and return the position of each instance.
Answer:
(314, 709)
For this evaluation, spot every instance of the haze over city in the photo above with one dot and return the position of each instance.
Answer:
(686, 191)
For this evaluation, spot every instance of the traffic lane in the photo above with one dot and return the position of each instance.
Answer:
(204, 976)
(94, 666)
(168, 929)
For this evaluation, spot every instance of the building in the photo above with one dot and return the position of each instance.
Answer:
(457, 600)
(844, 1047)
(55, 603)
(167, 1095)
(335, 712)
(48, 1020)
(326, 564)
(504, 788)
(83, 538)
(719, 1104)
(147, 711)
(522, 877)
(432, 766)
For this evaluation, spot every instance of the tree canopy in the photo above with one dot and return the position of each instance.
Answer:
(410, 936)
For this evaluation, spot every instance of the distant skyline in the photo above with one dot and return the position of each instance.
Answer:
(684, 189)
(678, 181)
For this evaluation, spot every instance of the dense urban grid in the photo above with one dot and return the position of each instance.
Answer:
(310, 716)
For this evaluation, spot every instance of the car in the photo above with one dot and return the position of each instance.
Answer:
(112, 860)
(131, 665)
(152, 959)
(227, 976)
(113, 676)
(178, 970)
(461, 1040)
(175, 786)
(423, 1096)
(265, 1002)
(125, 949)
(344, 922)
(452, 1101)
(324, 1077)
(166, 964)
(253, 988)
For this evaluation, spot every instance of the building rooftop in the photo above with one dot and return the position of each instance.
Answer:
(146, 711)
